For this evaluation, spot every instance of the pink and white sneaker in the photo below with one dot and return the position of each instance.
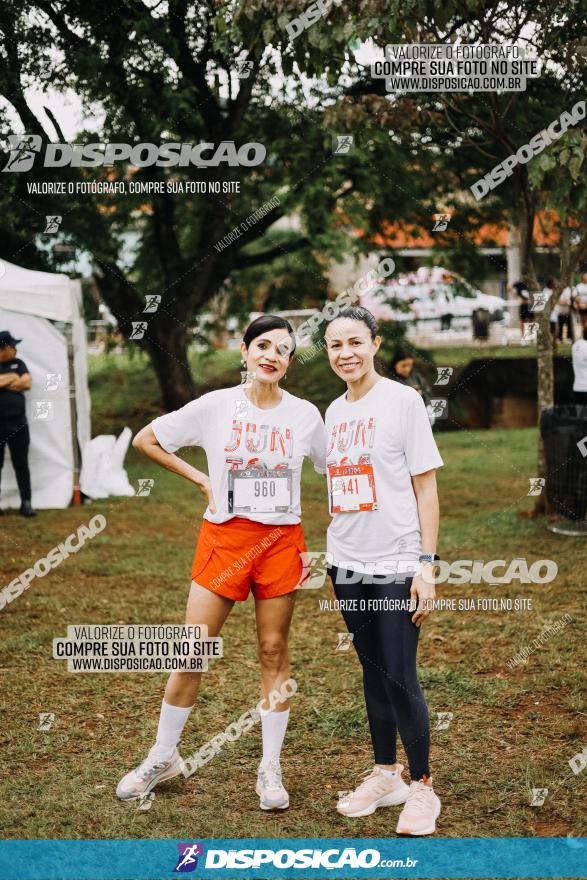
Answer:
(420, 812)
(378, 789)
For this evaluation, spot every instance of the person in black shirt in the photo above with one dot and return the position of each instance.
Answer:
(402, 370)
(523, 296)
(14, 431)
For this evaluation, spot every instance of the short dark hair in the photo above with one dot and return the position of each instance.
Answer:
(265, 323)
(356, 313)
(401, 354)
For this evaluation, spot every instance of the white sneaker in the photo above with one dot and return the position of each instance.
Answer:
(140, 781)
(420, 811)
(272, 794)
(378, 789)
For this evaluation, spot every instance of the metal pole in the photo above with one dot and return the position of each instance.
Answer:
(77, 499)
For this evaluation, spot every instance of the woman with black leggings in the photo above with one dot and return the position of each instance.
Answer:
(382, 461)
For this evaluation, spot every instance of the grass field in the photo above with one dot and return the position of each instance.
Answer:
(512, 729)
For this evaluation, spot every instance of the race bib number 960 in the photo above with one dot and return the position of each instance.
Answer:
(254, 491)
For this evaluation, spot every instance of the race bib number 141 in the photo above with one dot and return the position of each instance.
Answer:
(352, 488)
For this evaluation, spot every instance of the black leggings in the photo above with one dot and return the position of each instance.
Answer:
(16, 437)
(386, 643)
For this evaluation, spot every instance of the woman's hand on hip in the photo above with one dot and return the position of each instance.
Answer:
(205, 486)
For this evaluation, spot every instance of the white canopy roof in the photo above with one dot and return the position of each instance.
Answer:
(44, 294)
(29, 302)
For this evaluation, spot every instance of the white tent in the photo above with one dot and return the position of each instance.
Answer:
(57, 361)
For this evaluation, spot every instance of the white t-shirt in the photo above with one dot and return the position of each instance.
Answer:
(236, 435)
(579, 355)
(564, 302)
(388, 428)
(581, 295)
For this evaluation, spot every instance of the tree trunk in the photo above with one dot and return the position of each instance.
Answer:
(545, 397)
(514, 263)
(526, 213)
(166, 340)
(544, 351)
(165, 336)
(545, 379)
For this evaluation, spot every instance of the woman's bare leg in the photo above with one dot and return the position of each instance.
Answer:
(273, 623)
(206, 609)
(163, 762)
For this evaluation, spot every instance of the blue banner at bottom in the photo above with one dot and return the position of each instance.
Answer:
(264, 858)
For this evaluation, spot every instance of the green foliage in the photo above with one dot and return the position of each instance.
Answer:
(560, 173)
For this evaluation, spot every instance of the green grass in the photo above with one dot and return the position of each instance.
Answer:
(512, 730)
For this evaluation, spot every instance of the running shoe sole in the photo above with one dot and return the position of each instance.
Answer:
(171, 773)
(265, 806)
(388, 800)
(429, 830)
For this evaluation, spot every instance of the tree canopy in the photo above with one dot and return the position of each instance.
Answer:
(170, 71)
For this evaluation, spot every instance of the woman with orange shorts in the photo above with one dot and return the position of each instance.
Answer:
(256, 436)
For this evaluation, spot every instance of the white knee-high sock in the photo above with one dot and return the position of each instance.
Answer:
(273, 727)
(171, 724)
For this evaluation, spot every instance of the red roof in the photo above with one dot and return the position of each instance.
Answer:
(408, 235)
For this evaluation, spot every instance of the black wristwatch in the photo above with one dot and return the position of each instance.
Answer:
(428, 557)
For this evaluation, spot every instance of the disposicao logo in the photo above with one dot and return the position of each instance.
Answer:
(23, 151)
(25, 147)
(187, 860)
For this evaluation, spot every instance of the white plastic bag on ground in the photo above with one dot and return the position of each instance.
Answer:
(103, 471)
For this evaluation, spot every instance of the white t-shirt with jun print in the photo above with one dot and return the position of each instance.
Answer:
(236, 435)
(388, 429)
